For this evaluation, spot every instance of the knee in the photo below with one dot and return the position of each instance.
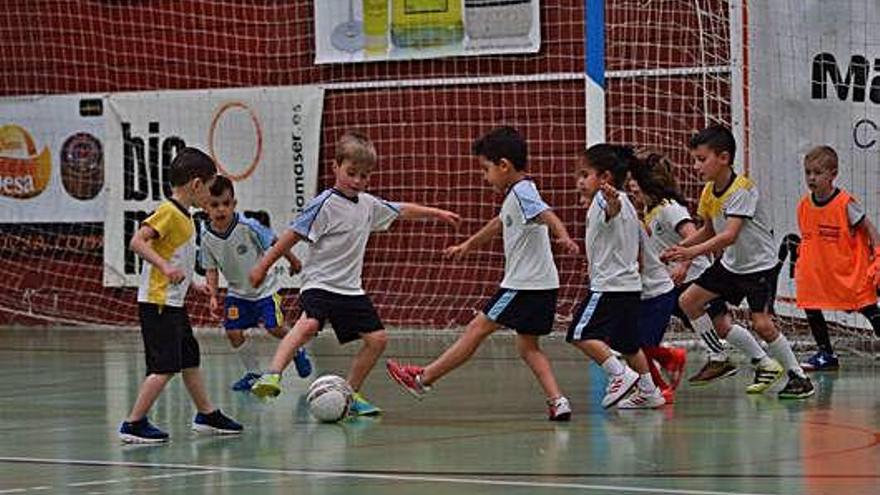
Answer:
(376, 340)
(526, 346)
(236, 338)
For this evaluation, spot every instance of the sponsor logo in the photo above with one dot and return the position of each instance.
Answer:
(227, 116)
(82, 166)
(24, 171)
(853, 84)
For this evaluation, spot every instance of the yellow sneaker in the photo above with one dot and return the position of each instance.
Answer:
(765, 376)
(269, 385)
(360, 406)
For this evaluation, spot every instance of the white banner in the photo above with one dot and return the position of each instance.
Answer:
(265, 139)
(813, 68)
(51, 159)
(371, 30)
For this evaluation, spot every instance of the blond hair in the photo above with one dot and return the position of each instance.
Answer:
(823, 155)
(356, 148)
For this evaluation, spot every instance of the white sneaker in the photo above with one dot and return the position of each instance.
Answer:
(643, 400)
(619, 386)
(559, 409)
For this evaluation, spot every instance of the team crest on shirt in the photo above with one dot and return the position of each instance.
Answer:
(232, 312)
(508, 221)
(241, 249)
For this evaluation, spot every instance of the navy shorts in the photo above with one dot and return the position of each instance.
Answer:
(757, 288)
(169, 345)
(242, 314)
(612, 317)
(350, 316)
(529, 312)
(654, 316)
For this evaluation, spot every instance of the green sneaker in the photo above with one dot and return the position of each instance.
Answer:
(360, 406)
(269, 385)
(765, 377)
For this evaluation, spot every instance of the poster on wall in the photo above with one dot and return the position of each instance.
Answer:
(373, 30)
(265, 139)
(813, 81)
(51, 159)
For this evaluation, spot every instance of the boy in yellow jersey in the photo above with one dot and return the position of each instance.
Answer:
(166, 241)
(838, 255)
(735, 222)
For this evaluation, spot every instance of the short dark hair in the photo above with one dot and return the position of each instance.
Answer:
(612, 158)
(503, 142)
(190, 164)
(222, 184)
(717, 138)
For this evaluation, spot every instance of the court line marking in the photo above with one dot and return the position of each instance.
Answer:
(208, 469)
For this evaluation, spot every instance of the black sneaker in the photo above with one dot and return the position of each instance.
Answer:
(711, 371)
(141, 432)
(797, 387)
(217, 423)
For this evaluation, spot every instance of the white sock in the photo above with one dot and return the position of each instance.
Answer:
(613, 366)
(248, 356)
(703, 326)
(781, 349)
(743, 340)
(646, 383)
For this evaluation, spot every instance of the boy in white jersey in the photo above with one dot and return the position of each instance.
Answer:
(609, 314)
(233, 243)
(166, 242)
(735, 222)
(526, 300)
(336, 225)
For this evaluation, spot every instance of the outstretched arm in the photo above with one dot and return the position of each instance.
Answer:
(413, 211)
(559, 232)
(713, 244)
(484, 235)
(283, 245)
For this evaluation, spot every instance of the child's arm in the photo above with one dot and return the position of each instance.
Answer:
(559, 232)
(714, 243)
(612, 201)
(413, 211)
(212, 277)
(874, 237)
(295, 264)
(685, 229)
(484, 235)
(141, 244)
(283, 245)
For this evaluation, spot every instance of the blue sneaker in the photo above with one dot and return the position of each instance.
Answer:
(302, 362)
(141, 432)
(360, 406)
(245, 383)
(821, 361)
(217, 423)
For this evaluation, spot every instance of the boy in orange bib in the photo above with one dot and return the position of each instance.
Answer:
(838, 257)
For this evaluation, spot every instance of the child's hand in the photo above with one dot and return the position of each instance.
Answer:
(678, 273)
(216, 308)
(296, 265)
(175, 275)
(256, 276)
(448, 217)
(457, 252)
(612, 200)
(569, 246)
(677, 253)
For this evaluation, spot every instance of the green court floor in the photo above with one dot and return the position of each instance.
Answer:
(482, 431)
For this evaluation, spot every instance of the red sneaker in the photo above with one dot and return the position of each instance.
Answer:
(675, 366)
(407, 377)
(668, 394)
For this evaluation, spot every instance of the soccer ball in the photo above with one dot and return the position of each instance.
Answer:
(329, 398)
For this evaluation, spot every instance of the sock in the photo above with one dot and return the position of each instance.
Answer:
(743, 340)
(872, 313)
(703, 327)
(248, 356)
(781, 349)
(646, 384)
(655, 374)
(819, 328)
(613, 366)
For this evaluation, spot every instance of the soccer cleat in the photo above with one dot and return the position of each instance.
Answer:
(407, 377)
(269, 385)
(360, 406)
(246, 382)
(821, 361)
(302, 363)
(217, 423)
(712, 371)
(675, 366)
(643, 400)
(765, 377)
(559, 409)
(619, 386)
(141, 432)
(797, 387)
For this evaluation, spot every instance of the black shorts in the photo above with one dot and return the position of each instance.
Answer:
(757, 288)
(714, 308)
(529, 312)
(350, 316)
(169, 344)
(612, 317)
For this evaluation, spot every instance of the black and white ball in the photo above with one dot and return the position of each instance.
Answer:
(329, 398)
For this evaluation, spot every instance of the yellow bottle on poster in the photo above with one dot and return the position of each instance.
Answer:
(376, 27)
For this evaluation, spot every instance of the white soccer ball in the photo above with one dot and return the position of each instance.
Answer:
(329, 398)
